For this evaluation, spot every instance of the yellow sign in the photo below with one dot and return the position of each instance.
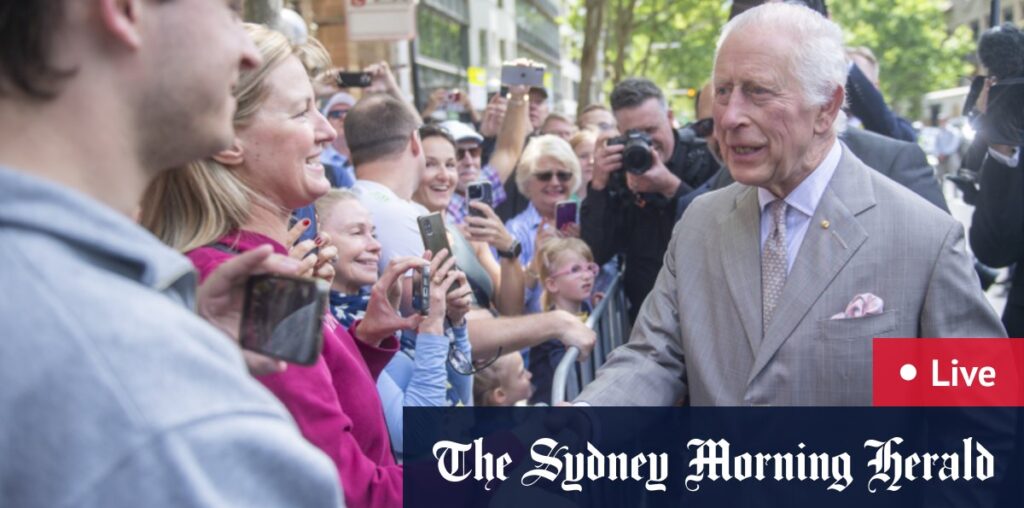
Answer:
(477, 76)
(548, 81)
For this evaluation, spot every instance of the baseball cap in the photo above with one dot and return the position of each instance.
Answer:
(461, 131)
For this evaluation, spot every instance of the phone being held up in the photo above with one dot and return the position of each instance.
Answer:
(435, 237)
(282, 317)
(479, 191)
(566, 212)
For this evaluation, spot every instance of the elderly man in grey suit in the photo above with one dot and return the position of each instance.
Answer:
(773, 287)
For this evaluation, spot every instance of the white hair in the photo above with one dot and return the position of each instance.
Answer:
(818, 57)
(547, 145)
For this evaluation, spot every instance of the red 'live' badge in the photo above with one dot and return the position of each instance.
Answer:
(948, 372)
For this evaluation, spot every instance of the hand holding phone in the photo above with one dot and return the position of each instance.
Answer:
(479, 191)
(346, 79)
(421, 290)
(566, 212)
(282, 317)
(435, 235)
(520, 73)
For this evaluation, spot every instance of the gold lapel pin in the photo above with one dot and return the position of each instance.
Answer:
(825, 224)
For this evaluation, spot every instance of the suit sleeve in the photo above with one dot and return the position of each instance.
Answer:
(911, 169)
(650, 369)
(954, 305)
(867, 104)
(997, 228)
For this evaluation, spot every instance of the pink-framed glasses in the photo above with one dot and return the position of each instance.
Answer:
(577, 269)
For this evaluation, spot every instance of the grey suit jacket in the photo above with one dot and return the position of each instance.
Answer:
(699, 336)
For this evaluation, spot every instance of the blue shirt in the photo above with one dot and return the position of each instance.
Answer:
(524, 228)
(800, 204)
(339, 168)
(113, 387)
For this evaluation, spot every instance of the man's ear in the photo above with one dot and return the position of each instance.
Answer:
(671, 117)
(231, 156)
(827, 115)
(121, 20)
(415, 144)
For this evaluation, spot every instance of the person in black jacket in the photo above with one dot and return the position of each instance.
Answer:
(633, 214)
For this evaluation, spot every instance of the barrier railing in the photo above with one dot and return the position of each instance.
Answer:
(611, 323)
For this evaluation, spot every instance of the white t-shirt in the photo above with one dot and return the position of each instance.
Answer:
(395, 219)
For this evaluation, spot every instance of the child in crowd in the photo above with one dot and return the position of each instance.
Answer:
(504, 383)
(566, 270)
(420, 374)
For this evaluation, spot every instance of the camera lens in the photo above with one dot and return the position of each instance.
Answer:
(636, 158)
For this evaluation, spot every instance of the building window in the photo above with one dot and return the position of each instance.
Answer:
(441, 37)
(1008, 14)
(485, 54)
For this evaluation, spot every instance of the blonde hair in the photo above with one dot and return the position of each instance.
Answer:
(551, 146)
(326, 204)
(581, 137)
(193, 206)
(485, 381)
(548, 252)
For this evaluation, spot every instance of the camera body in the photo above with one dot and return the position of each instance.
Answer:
(636, 156)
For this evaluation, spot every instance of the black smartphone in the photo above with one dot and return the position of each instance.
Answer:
(566, 212)
(353, 79)
(308, 212)
(435, 236)
(522, 75)
(282, 317)
(421, 290)
(479, 191)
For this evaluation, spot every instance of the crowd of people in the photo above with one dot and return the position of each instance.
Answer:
(188, 151)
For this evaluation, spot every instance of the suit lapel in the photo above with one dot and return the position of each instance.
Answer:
(741, 257)
(822, 255)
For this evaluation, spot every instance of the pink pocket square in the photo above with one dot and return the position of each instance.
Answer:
(864, 304)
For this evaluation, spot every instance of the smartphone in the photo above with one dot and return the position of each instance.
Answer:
(282, 317)
(353, 79)
(522, 75)
(566, 212)
(479, 191)
(435, 236)
(308, 212)
(421, 290)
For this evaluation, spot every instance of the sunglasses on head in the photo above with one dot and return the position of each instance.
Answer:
(473, 152)
(545, 176)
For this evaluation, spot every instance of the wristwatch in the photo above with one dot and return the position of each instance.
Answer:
(513, 252)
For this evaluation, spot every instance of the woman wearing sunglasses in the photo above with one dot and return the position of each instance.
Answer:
(548, 172)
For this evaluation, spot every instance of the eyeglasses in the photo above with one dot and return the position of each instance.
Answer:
(473, 152)
(577, 269)
(337, 114)
(461, 363)
(545, 176)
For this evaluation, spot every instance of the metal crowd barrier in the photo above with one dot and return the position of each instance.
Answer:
(611, 323)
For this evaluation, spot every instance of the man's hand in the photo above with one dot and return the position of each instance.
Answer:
(658, 179)
(607, 159)
(488, 229)
(382, 318)
(460, 300)
(219, 299)
(442, 276)
(382, 80)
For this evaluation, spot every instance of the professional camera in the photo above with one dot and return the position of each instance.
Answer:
(636, 156)
(697, 160)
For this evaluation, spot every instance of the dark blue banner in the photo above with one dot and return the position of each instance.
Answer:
(704, 457)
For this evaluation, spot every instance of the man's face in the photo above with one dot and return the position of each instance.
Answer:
(600, 119)
(764, 128)
(336, 116)
(651, 118)
(538, 109)
(560, 128)
(194, 52)
(467, 161)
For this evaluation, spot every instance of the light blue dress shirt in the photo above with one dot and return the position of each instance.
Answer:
(801, 204)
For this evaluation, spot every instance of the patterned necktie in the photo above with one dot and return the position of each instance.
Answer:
(773, 262)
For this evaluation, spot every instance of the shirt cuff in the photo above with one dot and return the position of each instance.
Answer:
(1010, 161)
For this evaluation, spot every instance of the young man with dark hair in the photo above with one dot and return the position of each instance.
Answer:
(115, 392)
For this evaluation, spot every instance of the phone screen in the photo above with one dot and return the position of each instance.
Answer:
(565, 213)
(282, 317)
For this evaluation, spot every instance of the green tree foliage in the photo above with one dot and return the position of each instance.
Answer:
(671, 42)
(909, 37)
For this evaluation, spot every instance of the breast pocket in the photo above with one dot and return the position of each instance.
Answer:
(844, 346)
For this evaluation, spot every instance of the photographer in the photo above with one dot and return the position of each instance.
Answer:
(639, 179)
(997, 228)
